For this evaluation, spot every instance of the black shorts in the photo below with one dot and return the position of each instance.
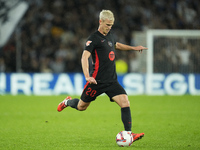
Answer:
(91, 91)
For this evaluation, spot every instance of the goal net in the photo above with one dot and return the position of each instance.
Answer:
(173, 51)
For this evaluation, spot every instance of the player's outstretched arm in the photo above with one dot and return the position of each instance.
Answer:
(121, 46)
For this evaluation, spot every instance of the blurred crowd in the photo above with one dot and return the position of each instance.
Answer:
(53, 33)
(181, 55)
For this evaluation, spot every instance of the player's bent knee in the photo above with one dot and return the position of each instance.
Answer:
(82, 108)
(82, 105)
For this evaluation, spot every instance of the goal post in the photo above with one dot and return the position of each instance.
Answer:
(172, 50)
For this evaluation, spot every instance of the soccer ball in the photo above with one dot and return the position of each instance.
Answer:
(124, 138)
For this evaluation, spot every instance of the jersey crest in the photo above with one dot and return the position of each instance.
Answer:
(88, 43)
(111, 55)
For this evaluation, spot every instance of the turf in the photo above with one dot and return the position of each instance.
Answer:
(32, 122)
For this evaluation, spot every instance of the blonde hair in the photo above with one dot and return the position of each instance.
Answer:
(106, 14)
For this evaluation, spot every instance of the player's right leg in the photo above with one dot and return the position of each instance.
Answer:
(82, 105)
(74, 103)
(63, 104)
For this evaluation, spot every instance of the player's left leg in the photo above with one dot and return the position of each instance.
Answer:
(123, 102)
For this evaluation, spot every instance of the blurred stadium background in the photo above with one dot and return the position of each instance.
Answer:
(38, 36)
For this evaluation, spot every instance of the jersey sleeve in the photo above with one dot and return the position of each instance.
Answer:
(90, 44)
(113, 39)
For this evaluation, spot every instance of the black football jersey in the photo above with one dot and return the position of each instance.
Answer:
(102, 49)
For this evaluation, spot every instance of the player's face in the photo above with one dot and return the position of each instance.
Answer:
(106, 25)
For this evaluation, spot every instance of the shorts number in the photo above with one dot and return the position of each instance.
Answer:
(91, 92)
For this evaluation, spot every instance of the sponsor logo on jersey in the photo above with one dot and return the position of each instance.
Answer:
(88, 43)
(111, 56)
(110, 43)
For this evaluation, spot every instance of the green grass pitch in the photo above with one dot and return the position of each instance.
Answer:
(33, 123)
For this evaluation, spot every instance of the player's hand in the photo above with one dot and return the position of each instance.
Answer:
(140, 48)
(91, 80)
